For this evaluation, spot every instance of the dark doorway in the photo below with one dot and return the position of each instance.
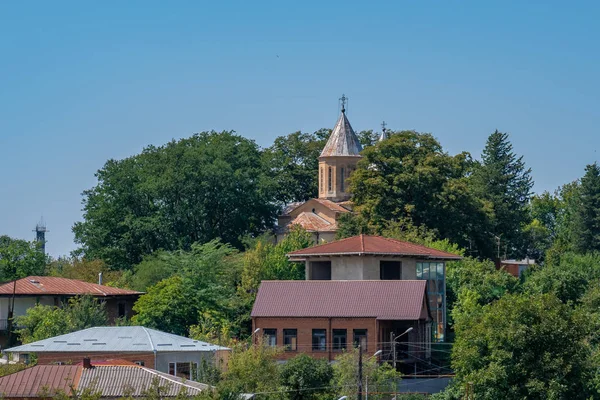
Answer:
(390, 270)
(321, 270)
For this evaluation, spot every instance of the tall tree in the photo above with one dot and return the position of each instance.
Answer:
(211, 185)
(587, 220)
(503, 180)
(20, 258)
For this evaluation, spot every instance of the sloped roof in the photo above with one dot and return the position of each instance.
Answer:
(31, 381)
(115, 339)
(390, 300)
(313, 222)
(343, 141)
(373, 245)
(333, 206)
(48, 285)
(110, 380)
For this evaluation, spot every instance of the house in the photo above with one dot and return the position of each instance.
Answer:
(165, 352)
(326, 317)
(113, 379)
(53, 291)
(375, 258)
(336, 162)
(516, 267)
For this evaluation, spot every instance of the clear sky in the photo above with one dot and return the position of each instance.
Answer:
(82, 82)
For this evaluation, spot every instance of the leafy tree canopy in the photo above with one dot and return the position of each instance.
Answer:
(20, 258)
(305, 378)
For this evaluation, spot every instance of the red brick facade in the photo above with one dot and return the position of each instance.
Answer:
(305, 326)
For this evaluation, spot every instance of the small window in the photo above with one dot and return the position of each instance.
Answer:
(181, 369)
(360, 339)
(290, 339)
(320, 270)
(319, 340)
(172, 369)
(342, 177)
(270, 336)
(321, 181)
(330, 180)
(121, 310)
(340, 338)
(390, 270)
(139, 362)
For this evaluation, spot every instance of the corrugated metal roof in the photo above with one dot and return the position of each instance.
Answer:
(48, 285)
(391, 300)
(116, 339)
(343, 141)
(117, 381)
(31, 381)
(313, 223)
(373, 245)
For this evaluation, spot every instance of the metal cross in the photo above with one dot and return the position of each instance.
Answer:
(343, 99)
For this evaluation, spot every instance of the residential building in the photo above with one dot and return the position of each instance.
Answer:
(377, 258)
(326, 317)
(53, 291)
(516, 267)
(336, 162)
(165, 352)
(112, 379)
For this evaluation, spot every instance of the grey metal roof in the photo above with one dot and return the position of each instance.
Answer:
(116, 339)
(119, 380)
(343, 141)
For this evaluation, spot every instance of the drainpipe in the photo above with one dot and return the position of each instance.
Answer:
(330, 342)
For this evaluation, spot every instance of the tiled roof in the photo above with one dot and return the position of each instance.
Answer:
(110, 380)
(392, 300)
(343, 140)
(332, 205)
(115, 339)
(373, 245)
(48, 285)
(31, 381)
(313, 222)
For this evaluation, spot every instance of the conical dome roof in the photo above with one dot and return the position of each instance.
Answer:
(343, 141)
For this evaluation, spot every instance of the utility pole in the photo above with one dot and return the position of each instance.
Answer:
(393, 343)
(360, 373)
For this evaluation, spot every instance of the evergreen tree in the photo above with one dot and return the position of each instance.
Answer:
(503, 181)
(587, 217)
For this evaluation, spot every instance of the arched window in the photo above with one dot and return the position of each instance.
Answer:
(330, 180)
(321, 181)
(343, 178)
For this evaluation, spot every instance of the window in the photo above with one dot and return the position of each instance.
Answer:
(342, 177)
(121, 310)
(434, 274)
(290, 339)
(321, 181)
(330, 181)
(181, 369)
(360, 338)
(340, 338)
(319, 340)
(320, 270)
(140, 363)
(390, 270)
(270, 336)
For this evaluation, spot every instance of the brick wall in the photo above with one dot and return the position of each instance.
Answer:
(75, 358)
(305, 327)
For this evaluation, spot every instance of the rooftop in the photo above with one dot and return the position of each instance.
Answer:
(111, 380)
(373, 245)
(343, 141)
(116, 339)
(49, 285)
(388, 300)
(313, 222)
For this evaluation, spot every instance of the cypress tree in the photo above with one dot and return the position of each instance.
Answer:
(587, 218)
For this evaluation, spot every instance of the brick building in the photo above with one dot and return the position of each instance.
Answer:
(324, 318)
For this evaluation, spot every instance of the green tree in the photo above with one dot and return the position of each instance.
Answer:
(83, 270)
(211, 185)
(504, 182)
(304, 377)
(378, 378)
(252, 370)
(409, 178)
(20, 258)
(523, 347)
(587, 221)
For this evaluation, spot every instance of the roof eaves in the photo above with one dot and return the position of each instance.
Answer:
(376, 253)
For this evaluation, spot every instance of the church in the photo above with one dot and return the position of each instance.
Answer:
(337, 161)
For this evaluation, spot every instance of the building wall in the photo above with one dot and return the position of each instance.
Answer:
(363, 268)
(46, 358)
(336, 164)
(305, 327)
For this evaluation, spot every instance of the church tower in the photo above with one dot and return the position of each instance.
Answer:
(338, 159)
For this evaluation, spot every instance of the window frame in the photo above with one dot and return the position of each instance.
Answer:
(356, 342)
(287, 333)
(322, 334)
(336, 333)
(270, 333)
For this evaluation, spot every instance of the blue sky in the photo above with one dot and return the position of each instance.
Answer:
(82, 82)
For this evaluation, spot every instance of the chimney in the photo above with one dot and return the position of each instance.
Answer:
(87, 363)
(100, 278)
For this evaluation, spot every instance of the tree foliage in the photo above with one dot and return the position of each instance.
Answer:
(587, 220)
(306, 378)
(208, 186)
(19, 259)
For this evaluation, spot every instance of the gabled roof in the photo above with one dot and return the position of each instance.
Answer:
(390, 300)
(48, 286)
(373, 245)
(343, 141)
(115, 339)
(110, 380)
(313, 222)
(333, 206)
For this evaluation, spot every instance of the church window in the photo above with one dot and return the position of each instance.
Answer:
(321, 181)
(343, 179)
(330, 180)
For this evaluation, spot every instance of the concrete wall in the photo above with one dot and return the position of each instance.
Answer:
(362, 268)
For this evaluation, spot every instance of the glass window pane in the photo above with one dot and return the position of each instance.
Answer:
(290, 339)
(319, 341)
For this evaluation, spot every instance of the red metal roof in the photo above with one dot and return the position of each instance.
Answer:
(48, 285)
(29, 382)
(393, 300)
(373, 245)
